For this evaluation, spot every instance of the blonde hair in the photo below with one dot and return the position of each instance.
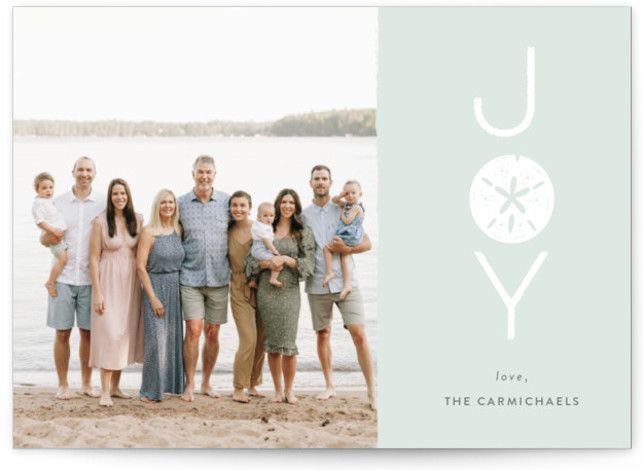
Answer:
(263, 206)
(155, 226)
(355, 182)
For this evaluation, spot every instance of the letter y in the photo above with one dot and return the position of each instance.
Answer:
(511, 302)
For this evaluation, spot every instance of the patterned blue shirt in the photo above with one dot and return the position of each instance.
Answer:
(205, 228)
(323, 222)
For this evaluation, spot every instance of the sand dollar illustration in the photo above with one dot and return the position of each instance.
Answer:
(511, 199)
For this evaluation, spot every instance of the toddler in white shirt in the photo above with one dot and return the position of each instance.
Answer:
(47, 216)
(262, 235)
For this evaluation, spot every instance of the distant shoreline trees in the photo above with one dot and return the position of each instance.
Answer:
(350, 122)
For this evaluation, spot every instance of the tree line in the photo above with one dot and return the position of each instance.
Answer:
(350, 122)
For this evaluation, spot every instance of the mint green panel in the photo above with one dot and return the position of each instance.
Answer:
(443, 325)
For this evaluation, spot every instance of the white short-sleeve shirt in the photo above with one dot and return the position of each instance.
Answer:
(44, 210)
(78, 215)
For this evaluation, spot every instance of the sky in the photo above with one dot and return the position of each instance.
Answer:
(191, 64)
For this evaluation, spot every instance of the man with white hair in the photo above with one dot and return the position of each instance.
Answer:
(205, 272)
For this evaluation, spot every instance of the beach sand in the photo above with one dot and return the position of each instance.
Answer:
(40, 421)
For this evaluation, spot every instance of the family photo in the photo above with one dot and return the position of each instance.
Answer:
(195, 246)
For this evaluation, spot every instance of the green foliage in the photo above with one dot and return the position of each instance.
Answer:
(354, 122)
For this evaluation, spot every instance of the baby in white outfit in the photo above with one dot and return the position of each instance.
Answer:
(262, 235)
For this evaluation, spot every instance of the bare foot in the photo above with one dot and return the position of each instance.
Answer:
(88, 391)
(278, 397)
(291, 398)
(63, 393)
(276, 283)
(144, 399)
(209, 392)
(188, 395)
(239, 396)
(118, 393)
(326, 394)
(372, 401)
(327, 278)
(105, 400)
(344, 293)
(253, 392)
(51, 289)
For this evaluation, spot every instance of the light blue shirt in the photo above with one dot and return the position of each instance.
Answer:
(323, 223)
(205, 227)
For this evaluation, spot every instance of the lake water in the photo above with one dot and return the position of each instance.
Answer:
(261, 165)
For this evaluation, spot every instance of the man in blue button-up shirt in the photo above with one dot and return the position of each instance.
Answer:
(322, 217)
(205, 272)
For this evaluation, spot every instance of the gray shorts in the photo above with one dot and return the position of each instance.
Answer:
(210, 303)
(321, 309)
(72, 301)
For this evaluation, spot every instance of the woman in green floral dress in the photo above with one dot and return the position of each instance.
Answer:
(279, 306)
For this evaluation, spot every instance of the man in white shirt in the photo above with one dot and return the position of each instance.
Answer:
(79, 207)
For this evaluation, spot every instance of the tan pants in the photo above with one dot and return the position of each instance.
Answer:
(248, 361)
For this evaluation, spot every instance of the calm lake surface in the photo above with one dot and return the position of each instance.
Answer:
(261, 166)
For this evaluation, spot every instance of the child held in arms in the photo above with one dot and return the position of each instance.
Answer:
(349, 230)
(263, 235)
(47, 216)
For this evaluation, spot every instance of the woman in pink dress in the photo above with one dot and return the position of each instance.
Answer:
(116, 321)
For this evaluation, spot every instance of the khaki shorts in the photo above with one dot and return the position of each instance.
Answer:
(321, 309)
(210, 303)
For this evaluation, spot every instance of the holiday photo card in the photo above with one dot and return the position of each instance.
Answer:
(322, 227)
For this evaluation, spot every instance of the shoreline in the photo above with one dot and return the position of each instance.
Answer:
(41, 421)
(221, 380)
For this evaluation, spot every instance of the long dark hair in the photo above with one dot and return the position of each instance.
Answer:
(296, 223)
(130, 216)
(235, 194)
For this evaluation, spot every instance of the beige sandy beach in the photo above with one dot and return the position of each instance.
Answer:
(40, 421)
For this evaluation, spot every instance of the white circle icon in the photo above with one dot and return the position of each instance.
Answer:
(511, 199)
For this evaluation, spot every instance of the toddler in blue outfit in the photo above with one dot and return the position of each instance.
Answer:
(349, 229)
